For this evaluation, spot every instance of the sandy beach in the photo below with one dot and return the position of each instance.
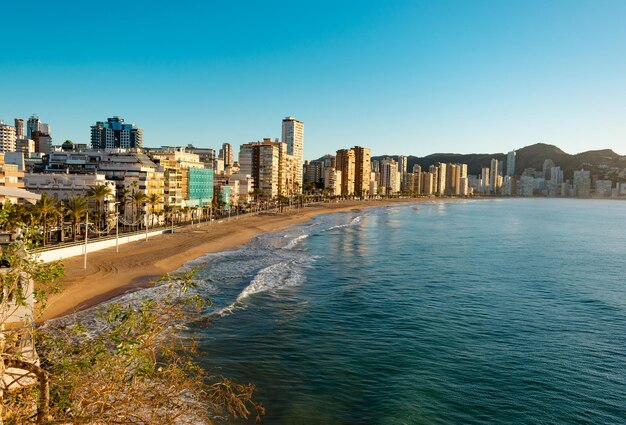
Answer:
(109, 274)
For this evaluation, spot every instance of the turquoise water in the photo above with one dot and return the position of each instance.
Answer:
(505, 311)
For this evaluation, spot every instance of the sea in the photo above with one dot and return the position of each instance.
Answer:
(503, 311)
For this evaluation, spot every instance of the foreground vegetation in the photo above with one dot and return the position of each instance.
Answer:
(137, 367)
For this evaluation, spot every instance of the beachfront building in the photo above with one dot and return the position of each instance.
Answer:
(176, 163)
(355, 166)
(273, 170)
(133, 171)
(314, 171)
(582, 184)
(62, 186)
(362, 170)
(604, 188)
(345, 161)
(12, 183)
(200, 187)
(495, 180)
(115, 133)
(390, 178)
(233, 185)
(293, 136)
(510, 163)
(245, 183)
(428, 183)
(332, 181)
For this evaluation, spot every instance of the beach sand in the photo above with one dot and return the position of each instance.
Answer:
(109, 274)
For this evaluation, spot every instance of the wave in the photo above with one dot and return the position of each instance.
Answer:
(295, 241)
(356, 220)
(276, 276)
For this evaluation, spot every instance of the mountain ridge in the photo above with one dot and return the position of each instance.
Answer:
(532, 156)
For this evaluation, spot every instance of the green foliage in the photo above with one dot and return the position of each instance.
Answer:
(139, 367)
(22, 263)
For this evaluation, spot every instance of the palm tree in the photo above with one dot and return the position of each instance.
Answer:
(138, 199)
(76, 208)
(123, 199)
(153, 199)
(45, 208)
(99, 193)
(168, 212)
(185, 214)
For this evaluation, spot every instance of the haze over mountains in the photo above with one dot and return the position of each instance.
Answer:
(532, 156)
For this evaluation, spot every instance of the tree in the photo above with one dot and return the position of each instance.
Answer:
(76, 208)
(138, 200)
(46, 209)
(169, 211)
(18, 294)
(153, 200)
(136, 368)
(123, 198)
(99, 193)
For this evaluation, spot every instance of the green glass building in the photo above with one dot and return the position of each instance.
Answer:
(201, 186)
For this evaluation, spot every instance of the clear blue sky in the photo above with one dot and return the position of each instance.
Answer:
(403, 77)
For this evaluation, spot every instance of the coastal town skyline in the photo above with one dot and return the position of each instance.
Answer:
(313, 212)
(84, 139)
(405, 75)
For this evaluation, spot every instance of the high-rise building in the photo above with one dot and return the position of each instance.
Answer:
(32, 125)
(345, 163)
(226, 153)
(40, 133)
(582, 183)
(463, 180)
(547, 167)
(402, 163)
(428, 184)
(114, 133)
(493, 181)
(332, 181)
(7, 137)
(390, 177)
(293, 136)
(485, 181)
(454, 171)
(271, 167)
(19, 128)
(439, 172)
(510, 163)
(362, 170)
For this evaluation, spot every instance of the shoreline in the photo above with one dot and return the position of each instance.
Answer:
(110, 274)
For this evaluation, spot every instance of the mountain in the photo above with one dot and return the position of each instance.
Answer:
(533, 156)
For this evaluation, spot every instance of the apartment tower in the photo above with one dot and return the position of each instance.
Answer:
(362, 170)
(7, 137)
(345, 162)
(114, 133)
(293, 136)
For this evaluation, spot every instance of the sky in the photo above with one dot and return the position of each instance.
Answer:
(401, 77)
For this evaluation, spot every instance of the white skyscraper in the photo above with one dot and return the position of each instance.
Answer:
(293, 136)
